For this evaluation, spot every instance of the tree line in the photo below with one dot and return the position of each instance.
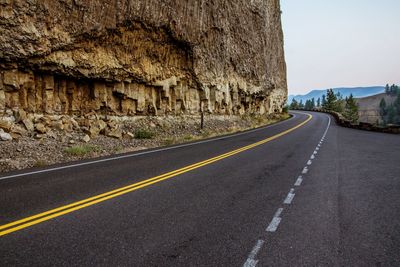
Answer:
(390, 113)
(330, 102)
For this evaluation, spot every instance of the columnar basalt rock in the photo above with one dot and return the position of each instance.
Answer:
(141, 57)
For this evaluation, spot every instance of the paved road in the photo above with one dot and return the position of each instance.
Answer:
(278, 196)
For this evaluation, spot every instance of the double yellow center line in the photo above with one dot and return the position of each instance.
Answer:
(44, 216)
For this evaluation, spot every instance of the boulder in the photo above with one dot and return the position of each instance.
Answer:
(112, 124)
(39, 136)
(46, 120)
(40, 128)
(28, 125)
(128, 135)
(68, 126)
(86, 138)
(58, 125)
(5, 136)
(115, 133)
(19, 130)
(95, 128)
(5, 125)
(74, 123)
(83, 122)
(93, 131)
(100, 124)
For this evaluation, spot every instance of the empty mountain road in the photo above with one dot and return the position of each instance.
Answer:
(303, 192)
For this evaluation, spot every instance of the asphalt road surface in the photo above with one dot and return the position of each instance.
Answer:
(303, 192)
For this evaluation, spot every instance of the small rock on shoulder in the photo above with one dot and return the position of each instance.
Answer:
(5, 136)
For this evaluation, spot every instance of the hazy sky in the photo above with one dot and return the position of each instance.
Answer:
(335, 43)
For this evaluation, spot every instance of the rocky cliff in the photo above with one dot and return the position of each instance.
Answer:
(141, 57)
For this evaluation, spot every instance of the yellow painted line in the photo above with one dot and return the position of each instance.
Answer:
(44, 216)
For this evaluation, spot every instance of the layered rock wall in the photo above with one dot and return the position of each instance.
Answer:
(144, 57)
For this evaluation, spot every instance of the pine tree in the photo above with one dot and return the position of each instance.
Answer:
(310, 104)
(331, 99)
(351, 109)
(294, 104)
(391, 114)
(397, 106)
(382, 108)
(301, 105)
(318, 102)
(307, 105)
(387, 89)
(391, 89)
(339, 96)
(323, 102)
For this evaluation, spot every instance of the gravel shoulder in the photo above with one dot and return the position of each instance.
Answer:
(59, 146)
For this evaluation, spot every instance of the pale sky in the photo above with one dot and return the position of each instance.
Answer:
(340, 43)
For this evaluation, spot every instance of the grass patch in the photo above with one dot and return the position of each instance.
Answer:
(40, 163)
(143, 134)
(205, 134)
(285, 116)
(188, 137)
(169, 141)
(118, 149)
(256, 121)
(80, 150)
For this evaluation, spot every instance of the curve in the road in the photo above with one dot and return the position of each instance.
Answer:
(131, 155)
(48, 215)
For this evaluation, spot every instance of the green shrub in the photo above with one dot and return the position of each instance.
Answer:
(143, 134)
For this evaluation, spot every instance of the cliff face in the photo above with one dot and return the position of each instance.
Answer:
(128, 57)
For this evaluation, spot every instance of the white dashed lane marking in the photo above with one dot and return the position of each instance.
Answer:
(299, 181)
(289, 197)
(251, 260)
(276, 220)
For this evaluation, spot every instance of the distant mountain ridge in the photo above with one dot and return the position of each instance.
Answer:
(358, 92)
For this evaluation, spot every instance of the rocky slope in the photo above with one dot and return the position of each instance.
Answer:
(69, 64)
(141, 57)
